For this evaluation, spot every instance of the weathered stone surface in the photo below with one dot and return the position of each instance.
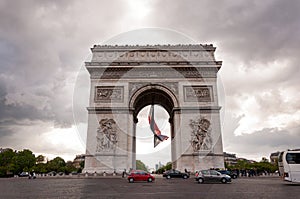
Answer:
(181, 78)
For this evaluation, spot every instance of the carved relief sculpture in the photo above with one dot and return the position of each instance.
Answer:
(109, 93)
(198, 93)
(201, 134)
(106, 135)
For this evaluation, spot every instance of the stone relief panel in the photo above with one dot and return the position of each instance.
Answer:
(198, 93)
(133, 87)
(201, 134)
(106, 135)
(109, 94)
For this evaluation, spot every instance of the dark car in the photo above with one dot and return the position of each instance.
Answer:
(175, 174)
(212, 176)
(232, 174)
(140, 175)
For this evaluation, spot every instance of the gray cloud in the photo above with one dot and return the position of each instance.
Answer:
(43, 44)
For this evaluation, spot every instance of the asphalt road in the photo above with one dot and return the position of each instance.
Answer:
(116, 187)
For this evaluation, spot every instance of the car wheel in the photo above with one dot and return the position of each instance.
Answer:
(131, 180)
(223, 180)
(149, 179)
(234, 176)
(200, 180)
(168, 177)
(185, 177)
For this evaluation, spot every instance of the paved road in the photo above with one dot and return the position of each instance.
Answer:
(259, 187)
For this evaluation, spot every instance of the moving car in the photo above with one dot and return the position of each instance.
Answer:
(140, 175)
(175, 174)
(212, 176)
(23, 174)
(232, 174)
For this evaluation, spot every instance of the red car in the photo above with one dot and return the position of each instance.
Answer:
(139, 175)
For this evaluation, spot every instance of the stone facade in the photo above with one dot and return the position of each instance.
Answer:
(181, 78)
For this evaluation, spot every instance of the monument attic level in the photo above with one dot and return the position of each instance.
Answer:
(181, 78)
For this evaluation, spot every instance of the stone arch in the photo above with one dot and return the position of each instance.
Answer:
(180, 78)
(153, 94)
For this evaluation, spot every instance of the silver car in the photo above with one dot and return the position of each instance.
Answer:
(212, 176)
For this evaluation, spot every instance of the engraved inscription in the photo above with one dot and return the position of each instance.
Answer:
(109, 93)
(198, 93)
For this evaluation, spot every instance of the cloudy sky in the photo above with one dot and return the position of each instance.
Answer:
(43, 45)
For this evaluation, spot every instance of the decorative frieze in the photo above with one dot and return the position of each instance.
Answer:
(134, 86)
(154, 72)
(149, 53)
(198, 93)
(109, 94)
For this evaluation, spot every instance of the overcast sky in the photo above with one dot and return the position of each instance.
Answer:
(43, 45)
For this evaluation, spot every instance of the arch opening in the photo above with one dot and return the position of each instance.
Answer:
(153, 94)
(164, 102)
(153, 157)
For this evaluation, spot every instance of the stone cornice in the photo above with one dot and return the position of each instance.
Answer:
(96, 110)
(202, 109)
(155, 53)
(153, 63)
(207, 47)
(152, 72)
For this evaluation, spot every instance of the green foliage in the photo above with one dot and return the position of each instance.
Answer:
(140, 165)
(264, 165)
(40, 159)
(57, 164)
(70, 168)
(164, 168)
(14, 162)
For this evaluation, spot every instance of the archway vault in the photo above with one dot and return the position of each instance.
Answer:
(153, 94)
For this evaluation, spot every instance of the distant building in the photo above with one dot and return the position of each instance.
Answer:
(246, 160)
(78, 159)
(158, 166)
(274, 157)
(230, 159)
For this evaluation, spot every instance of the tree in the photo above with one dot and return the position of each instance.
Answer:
(165, 168)
(57, 164)
(140, 165)
(70, 167)
(6, 162)
(23, 161)
(40, 159)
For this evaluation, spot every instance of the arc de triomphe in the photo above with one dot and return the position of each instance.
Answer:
(180, 78)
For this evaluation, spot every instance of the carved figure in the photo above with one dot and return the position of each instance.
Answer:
(106, 135)
(201, 134)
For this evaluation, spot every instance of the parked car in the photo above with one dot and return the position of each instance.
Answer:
(212, 176)
(140, 175)
(51, 173)
(23, 174)
(175, 174)
(232, 174)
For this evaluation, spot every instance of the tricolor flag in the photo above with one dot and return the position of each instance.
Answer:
(158, 137)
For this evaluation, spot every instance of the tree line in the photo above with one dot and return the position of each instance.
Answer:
(14, 162)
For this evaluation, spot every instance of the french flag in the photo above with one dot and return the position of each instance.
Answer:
(158, 137)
